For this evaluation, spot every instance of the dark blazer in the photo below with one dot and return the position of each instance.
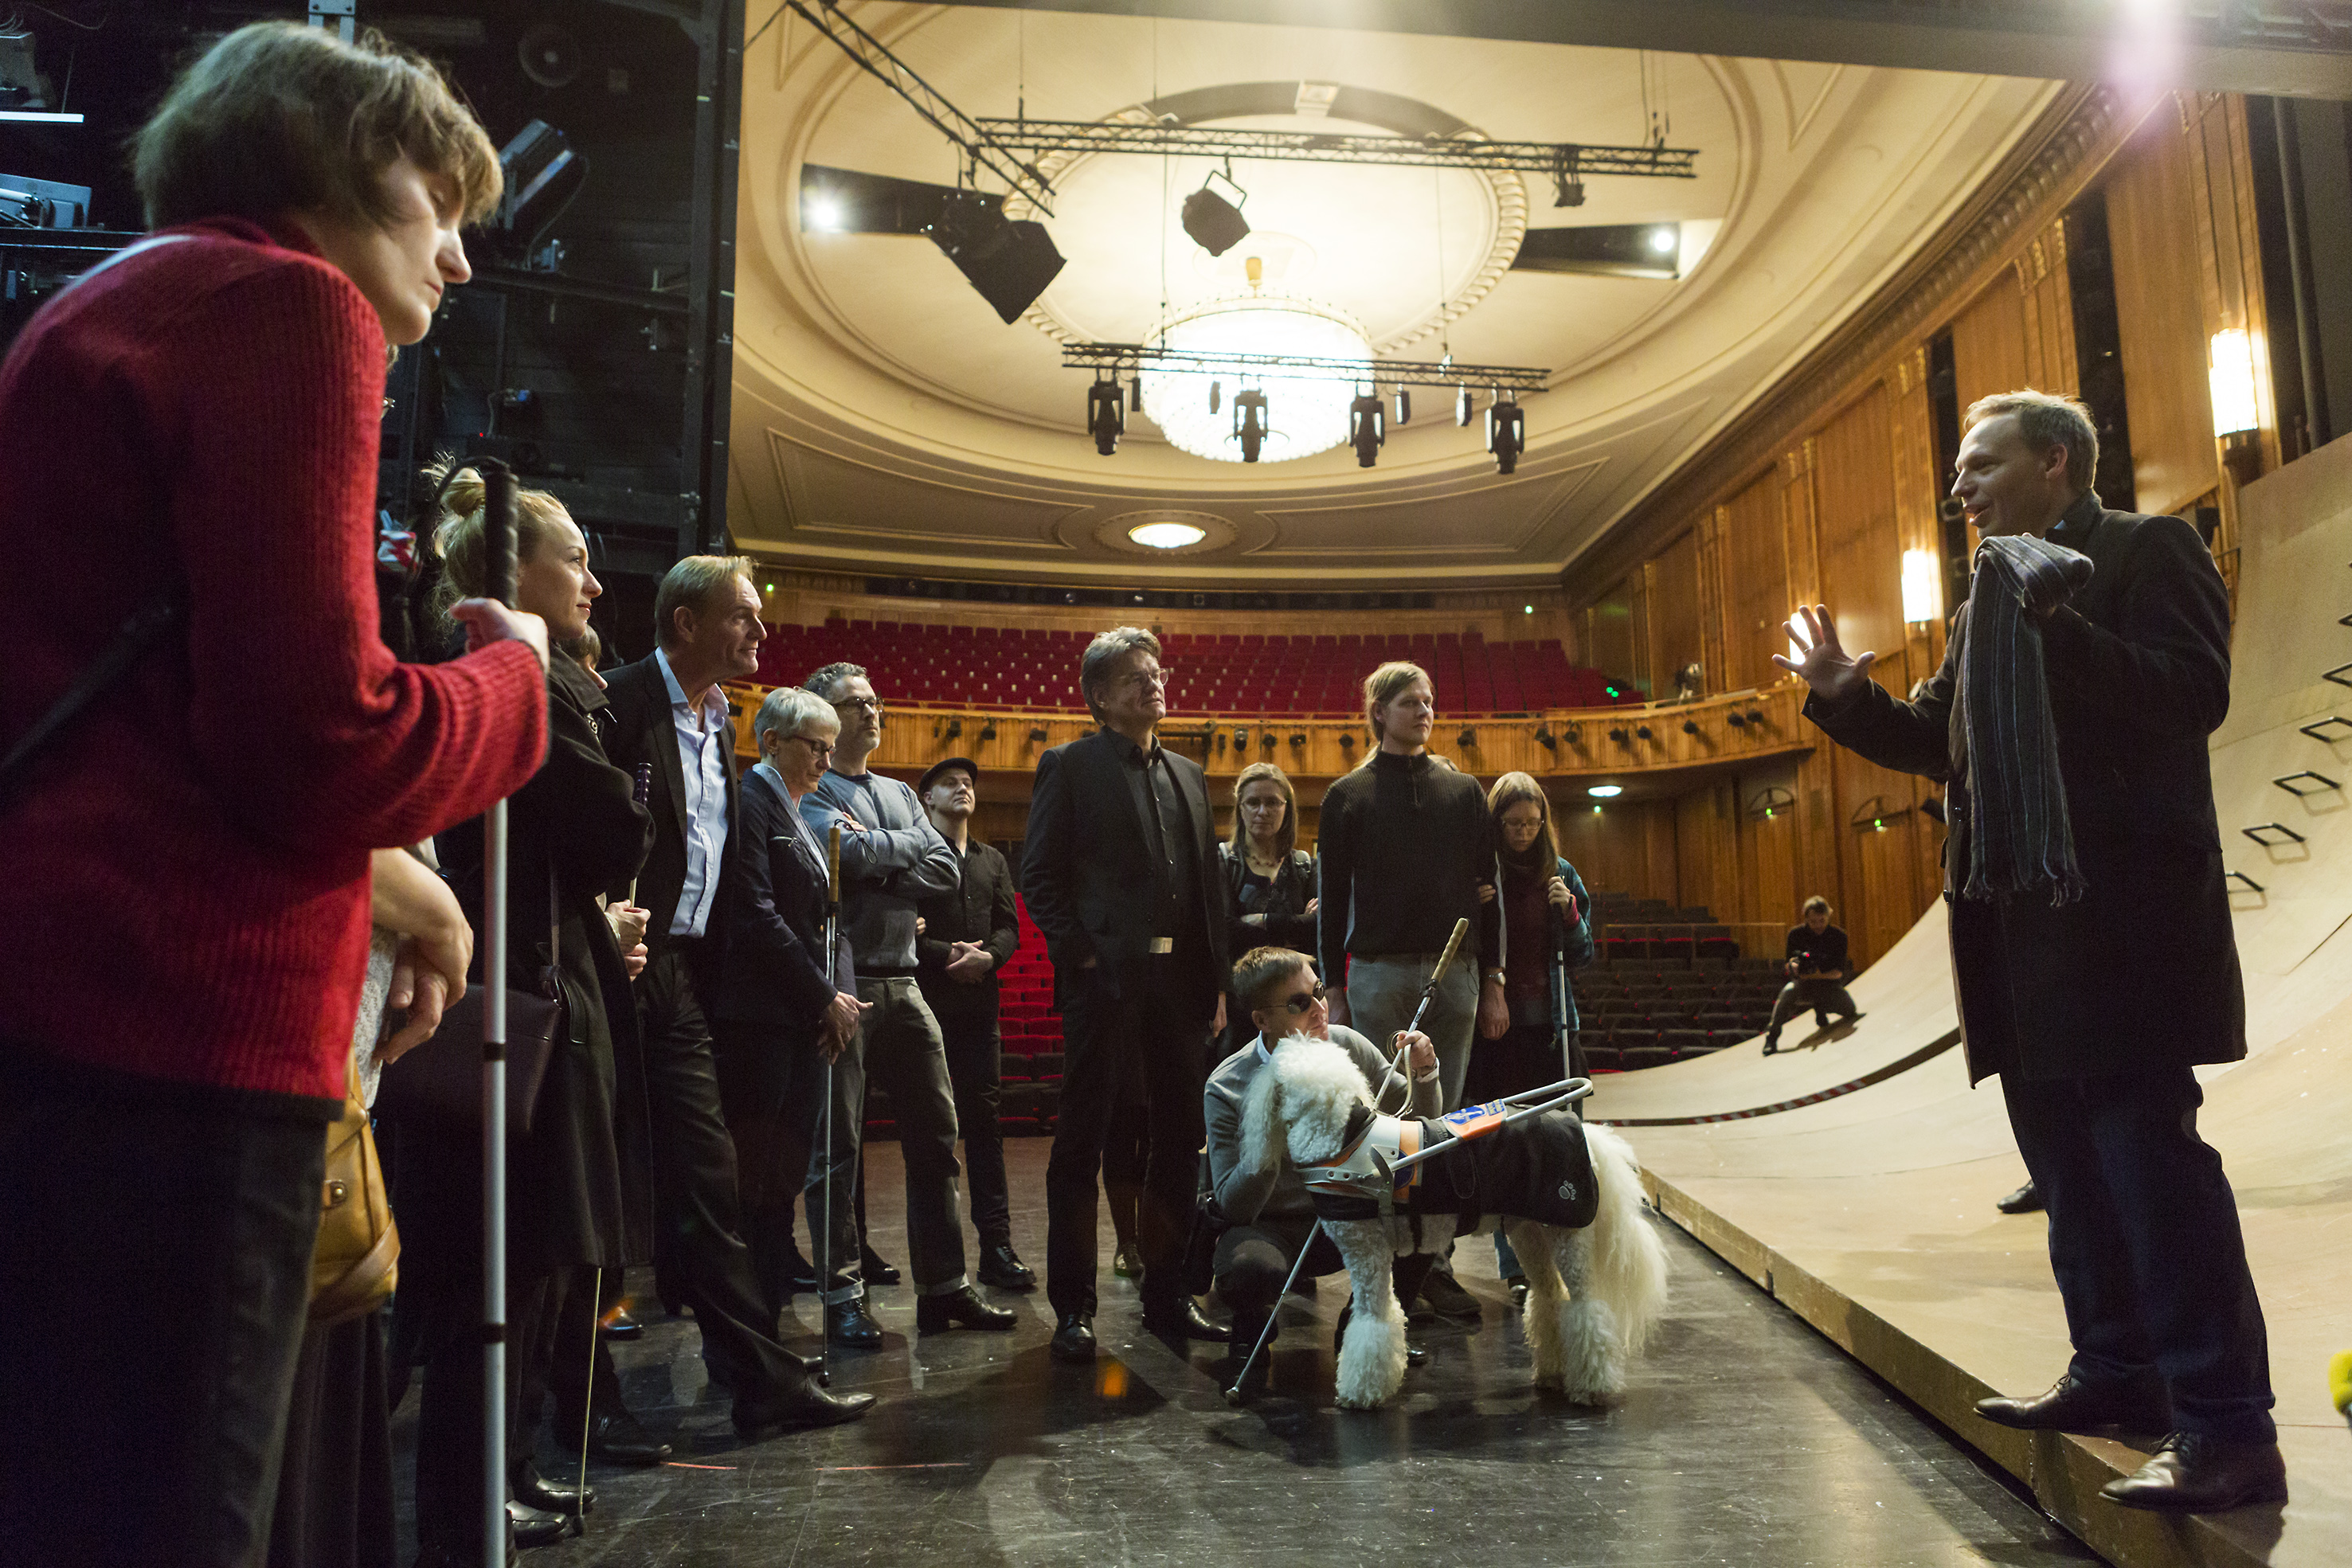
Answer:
(979, 909)
(772, 913)
(2143, 970)
(580, 1188)
(1088, 873)
(642, 731)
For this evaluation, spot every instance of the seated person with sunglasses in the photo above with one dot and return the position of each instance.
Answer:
(1269, 1216)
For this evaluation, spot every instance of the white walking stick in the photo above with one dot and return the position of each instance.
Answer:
(498, 550)
(824, 1226)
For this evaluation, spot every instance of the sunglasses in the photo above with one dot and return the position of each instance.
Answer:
(1305, 1001)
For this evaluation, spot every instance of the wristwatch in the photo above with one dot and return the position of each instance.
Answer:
(1495, 977)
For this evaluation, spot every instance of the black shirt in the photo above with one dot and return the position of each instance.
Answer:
(1167, 829)
(980, 909)
(1822, 953)
(1405, 843)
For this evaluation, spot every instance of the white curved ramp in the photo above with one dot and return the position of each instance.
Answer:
(1871, 1212)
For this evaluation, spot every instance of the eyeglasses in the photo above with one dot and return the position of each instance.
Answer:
(816, 748)
(1144, 679)
(1305, 1001)
(870, 704)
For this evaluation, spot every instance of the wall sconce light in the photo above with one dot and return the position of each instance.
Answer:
(2230, 375)
(1770, 803)
(1299, 739)
(1241, 738)
(1919, 585)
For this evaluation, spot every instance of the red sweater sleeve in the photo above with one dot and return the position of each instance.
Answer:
(309, 731)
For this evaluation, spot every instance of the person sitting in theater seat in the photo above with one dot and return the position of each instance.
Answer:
(1818, 969)
(967, 935)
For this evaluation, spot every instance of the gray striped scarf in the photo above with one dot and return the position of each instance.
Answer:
(2020, 839)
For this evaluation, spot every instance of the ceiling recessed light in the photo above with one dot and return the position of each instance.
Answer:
(1167, 535)
(824, 212)
(1662, 240)
(1606, 791)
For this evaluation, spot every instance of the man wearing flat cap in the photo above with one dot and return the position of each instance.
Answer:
(968, 931)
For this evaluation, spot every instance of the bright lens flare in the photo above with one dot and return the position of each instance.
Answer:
(1167, 535)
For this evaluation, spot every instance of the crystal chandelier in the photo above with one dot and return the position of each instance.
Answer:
(1305, 414)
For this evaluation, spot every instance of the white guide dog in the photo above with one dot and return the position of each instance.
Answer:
(1593, 1293)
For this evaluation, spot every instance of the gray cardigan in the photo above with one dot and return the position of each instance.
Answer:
(1247, 1196)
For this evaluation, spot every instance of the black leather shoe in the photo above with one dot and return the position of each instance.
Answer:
(1446, 1297)
(1000, 1268)
(621, 1325)
(2192, 1473)
(1413, 1355)
(1772, 1045)
(555, 1497)
(2024, 1200)
(1181, 1319)
(802, 1405)
(877, 1270)
(1074, 1339)
(2074, 1405)
(1126, 1263)
(618, 1439)
(937, 1314)
(537, 1527)
(849, 1324)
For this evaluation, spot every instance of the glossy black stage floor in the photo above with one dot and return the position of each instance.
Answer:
(1746, 1438)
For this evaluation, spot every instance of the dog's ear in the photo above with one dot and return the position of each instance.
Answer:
(1261, 1131)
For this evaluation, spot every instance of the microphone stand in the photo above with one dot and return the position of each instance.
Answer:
(498, 550)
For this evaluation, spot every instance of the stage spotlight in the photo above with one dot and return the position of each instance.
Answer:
(1250, 422)
(1665, 241)
(1367, 428)
(1507, 433)
(822, 211)
(1403, 406)
(1462, 409)
(1215, 224)
(1135, 393)
(1216, 395)
(1106, 415)
(1009, 261)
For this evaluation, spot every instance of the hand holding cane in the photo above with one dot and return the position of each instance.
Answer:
(824, 1229)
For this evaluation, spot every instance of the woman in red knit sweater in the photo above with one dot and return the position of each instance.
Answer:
(201, 415)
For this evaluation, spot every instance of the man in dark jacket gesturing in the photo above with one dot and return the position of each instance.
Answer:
(2092, 943)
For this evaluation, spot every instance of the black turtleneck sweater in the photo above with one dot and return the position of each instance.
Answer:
(1404, 844)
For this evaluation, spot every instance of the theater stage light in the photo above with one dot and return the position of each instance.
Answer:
(1009, 261)
(1216, 223)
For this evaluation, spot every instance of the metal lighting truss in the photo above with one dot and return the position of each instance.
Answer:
(982, 149)
(1565, 161)
(1117, 359)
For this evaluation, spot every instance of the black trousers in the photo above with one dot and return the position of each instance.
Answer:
(1152, 1026)
(582, 1378)
(334, 1496)
(162, 1239)
(1821, 996)
(695, 1202)
(449, 1405)
(2145, 1242)
(976, 1070)
(1254, 1260)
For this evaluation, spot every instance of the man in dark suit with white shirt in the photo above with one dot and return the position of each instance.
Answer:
(668, 710)
(1120, 872)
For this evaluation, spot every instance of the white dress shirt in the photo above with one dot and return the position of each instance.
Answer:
(704, 738)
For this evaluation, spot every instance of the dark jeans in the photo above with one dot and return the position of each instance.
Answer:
(1821, 996)
(899, 1050)
(976, 1070)
(1104, 1036)
(1253, 1261)
(162, 1240)
(2145, 1242)
(695, 1204)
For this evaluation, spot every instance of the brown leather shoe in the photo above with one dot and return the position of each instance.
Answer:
(2074, 1405)
(2196, 1474)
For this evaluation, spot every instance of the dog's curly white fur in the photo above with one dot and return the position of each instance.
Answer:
(1594, 1294)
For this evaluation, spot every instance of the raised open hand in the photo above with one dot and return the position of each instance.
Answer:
(1833, 674)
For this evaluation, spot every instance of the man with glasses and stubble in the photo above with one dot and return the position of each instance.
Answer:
(891, 857)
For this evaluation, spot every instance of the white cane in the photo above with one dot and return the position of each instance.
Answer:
(824, 1226)
(498, 550)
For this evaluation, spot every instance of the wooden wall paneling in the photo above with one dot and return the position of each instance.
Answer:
(1768, 857)
(1712, 654)
(2221, 177)
(2049, 300)
(1799, 526)
(1755, 583)
(1920, 489)
(1610, 630)
(1859, 543)
(1989, 352)
(1638, 590)
(2154, 221)
(1675, 612)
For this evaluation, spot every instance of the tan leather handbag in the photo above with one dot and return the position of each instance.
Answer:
(356, 1261)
